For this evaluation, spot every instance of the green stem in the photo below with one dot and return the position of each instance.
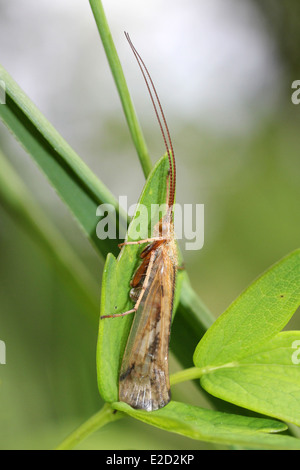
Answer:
(106, 415)
(118, 75)
(186, 374)
(196, 372)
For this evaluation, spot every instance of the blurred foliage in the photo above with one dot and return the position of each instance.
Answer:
(250, 187)
(282, 22)
(252, 212)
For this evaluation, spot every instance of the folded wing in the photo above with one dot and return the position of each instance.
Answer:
(144, 376)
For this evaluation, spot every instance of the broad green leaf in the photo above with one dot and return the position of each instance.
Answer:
(267, 381)
(113, 332)
(213, 426)
(243, 357)
(255, 317)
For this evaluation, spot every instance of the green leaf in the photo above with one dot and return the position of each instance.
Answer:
(213, 426)
(254, 317)
(267, 381)
(113, 332)
(244, 359)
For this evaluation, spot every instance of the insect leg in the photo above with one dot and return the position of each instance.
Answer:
(143, 288)
(113, 315)
(139, 242)
(145, 283)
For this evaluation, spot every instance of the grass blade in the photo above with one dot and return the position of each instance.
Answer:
(117, 72)
(75, 183)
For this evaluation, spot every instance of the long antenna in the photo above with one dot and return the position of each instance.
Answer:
(166, 135)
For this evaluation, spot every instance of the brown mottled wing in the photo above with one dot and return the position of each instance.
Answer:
(144, 376)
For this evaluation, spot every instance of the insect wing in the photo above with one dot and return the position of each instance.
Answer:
(144, 377)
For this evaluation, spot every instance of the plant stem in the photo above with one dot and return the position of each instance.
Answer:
(106, 415)
(118, 75)
(186, 374)
(196, 372)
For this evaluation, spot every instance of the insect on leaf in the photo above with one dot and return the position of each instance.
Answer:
(113, 333)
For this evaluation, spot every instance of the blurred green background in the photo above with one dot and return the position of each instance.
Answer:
(224, 73)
